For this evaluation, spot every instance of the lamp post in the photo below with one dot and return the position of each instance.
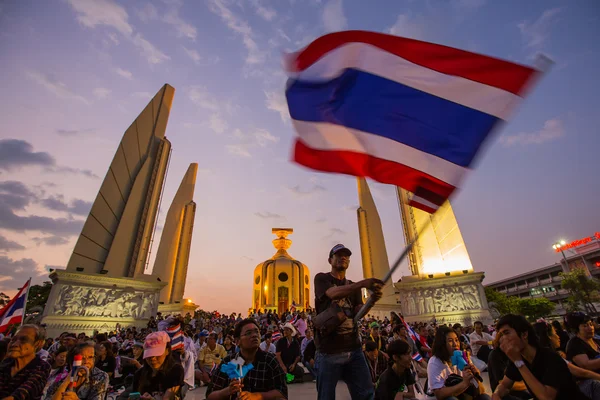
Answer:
(559, 246)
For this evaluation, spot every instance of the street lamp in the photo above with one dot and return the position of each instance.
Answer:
(559, 246)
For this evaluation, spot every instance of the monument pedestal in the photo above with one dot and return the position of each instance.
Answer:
(448, 299)
(81, 302)
(182, 308)
(380, 311)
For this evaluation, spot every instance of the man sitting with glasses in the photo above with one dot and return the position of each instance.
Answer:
(23, 374)
(265, 381)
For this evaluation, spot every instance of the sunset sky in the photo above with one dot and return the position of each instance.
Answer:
(75, 73)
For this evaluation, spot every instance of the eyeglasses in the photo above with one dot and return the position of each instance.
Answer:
(251, 333)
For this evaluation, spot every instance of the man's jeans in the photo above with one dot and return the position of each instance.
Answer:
(351, 367)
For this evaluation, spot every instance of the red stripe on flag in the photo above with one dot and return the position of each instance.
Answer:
(447, 60)
(363, 165)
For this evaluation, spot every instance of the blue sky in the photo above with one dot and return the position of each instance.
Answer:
(76, 73)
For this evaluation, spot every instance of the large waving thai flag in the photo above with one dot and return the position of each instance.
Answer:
(14, 310)
(400, 111)
(414, 335)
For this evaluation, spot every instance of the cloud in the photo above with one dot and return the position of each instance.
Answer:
(240, 27)
(217, 124)
(55, 86)
(277, 102)
(267, 215)
(142, 95)
(333, 16)
(101, 12)
(299, 192)
(113, 37)
(50, 240)
(147, 13)
(552, 129)
(124, 73)
(535, 34)
(193, 54)
(238, 150)
(91, 14)
(202, 98)
(266, 13)
(350, 208)
(9, 245)
(72, 132)
(247, 141)
(15, 153)
(101, 93)
(58, 226)
(152, 54)
(321, 220)
(182, 28)
(409, 26)
(57, 203)
(17, 272)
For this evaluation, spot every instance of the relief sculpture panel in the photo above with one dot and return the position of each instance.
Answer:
(104, 302)
(441, 299)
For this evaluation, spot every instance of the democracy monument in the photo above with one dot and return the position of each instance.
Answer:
(443, 285)
(105, 282)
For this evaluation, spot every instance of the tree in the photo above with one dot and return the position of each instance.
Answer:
(4, 299)
(584, 290)
(502, 303)
(534, 308)
(38, 295)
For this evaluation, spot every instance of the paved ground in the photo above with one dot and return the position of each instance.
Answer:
(308, 391)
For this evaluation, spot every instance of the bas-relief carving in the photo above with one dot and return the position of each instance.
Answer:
(441, 299)
(102, 302)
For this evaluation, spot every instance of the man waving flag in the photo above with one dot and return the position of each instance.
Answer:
(14, 311)
(400, 111)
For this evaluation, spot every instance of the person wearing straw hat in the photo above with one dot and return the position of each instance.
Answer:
(288, 352)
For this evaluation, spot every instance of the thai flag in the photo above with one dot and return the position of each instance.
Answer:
(176, 336)
(276, 336)
(417, 357)
(400, 111)
(14, 310)
(293, 307)
(294, 319)
(414, 335)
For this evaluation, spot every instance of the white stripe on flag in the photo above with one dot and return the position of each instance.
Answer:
(420, 200)
(16, 313)
(371, 59)
(326, 136)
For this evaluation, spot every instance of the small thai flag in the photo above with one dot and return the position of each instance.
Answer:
(276, 336)
(400, 111)
(294, 319)
(214, 367)
(417, 356)
(176, 336)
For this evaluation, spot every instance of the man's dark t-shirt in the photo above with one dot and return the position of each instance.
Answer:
(108, 365)
(551, 370)
(578, 346)
(289, 350)
(160, 383)
(346, 337)
(390, 383)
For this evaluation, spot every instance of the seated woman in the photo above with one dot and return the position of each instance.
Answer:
(582, 350)
(440, 368)
(105, 360)
(160, 376)
(58, 361)
(91, 383)
(588, 381)
(397, 382)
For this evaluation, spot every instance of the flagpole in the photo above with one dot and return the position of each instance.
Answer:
(26, 298)
(370, 302)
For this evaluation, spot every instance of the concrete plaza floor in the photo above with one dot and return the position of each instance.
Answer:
(308, 390)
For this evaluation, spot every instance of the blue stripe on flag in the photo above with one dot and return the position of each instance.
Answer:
(370, 103)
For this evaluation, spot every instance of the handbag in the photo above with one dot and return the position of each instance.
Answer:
(329, 320)
(471, 393)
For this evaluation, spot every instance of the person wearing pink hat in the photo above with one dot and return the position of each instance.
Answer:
(161, 375)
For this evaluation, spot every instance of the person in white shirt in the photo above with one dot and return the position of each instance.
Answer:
(267, 345)
(480, 342)
(440, 368)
